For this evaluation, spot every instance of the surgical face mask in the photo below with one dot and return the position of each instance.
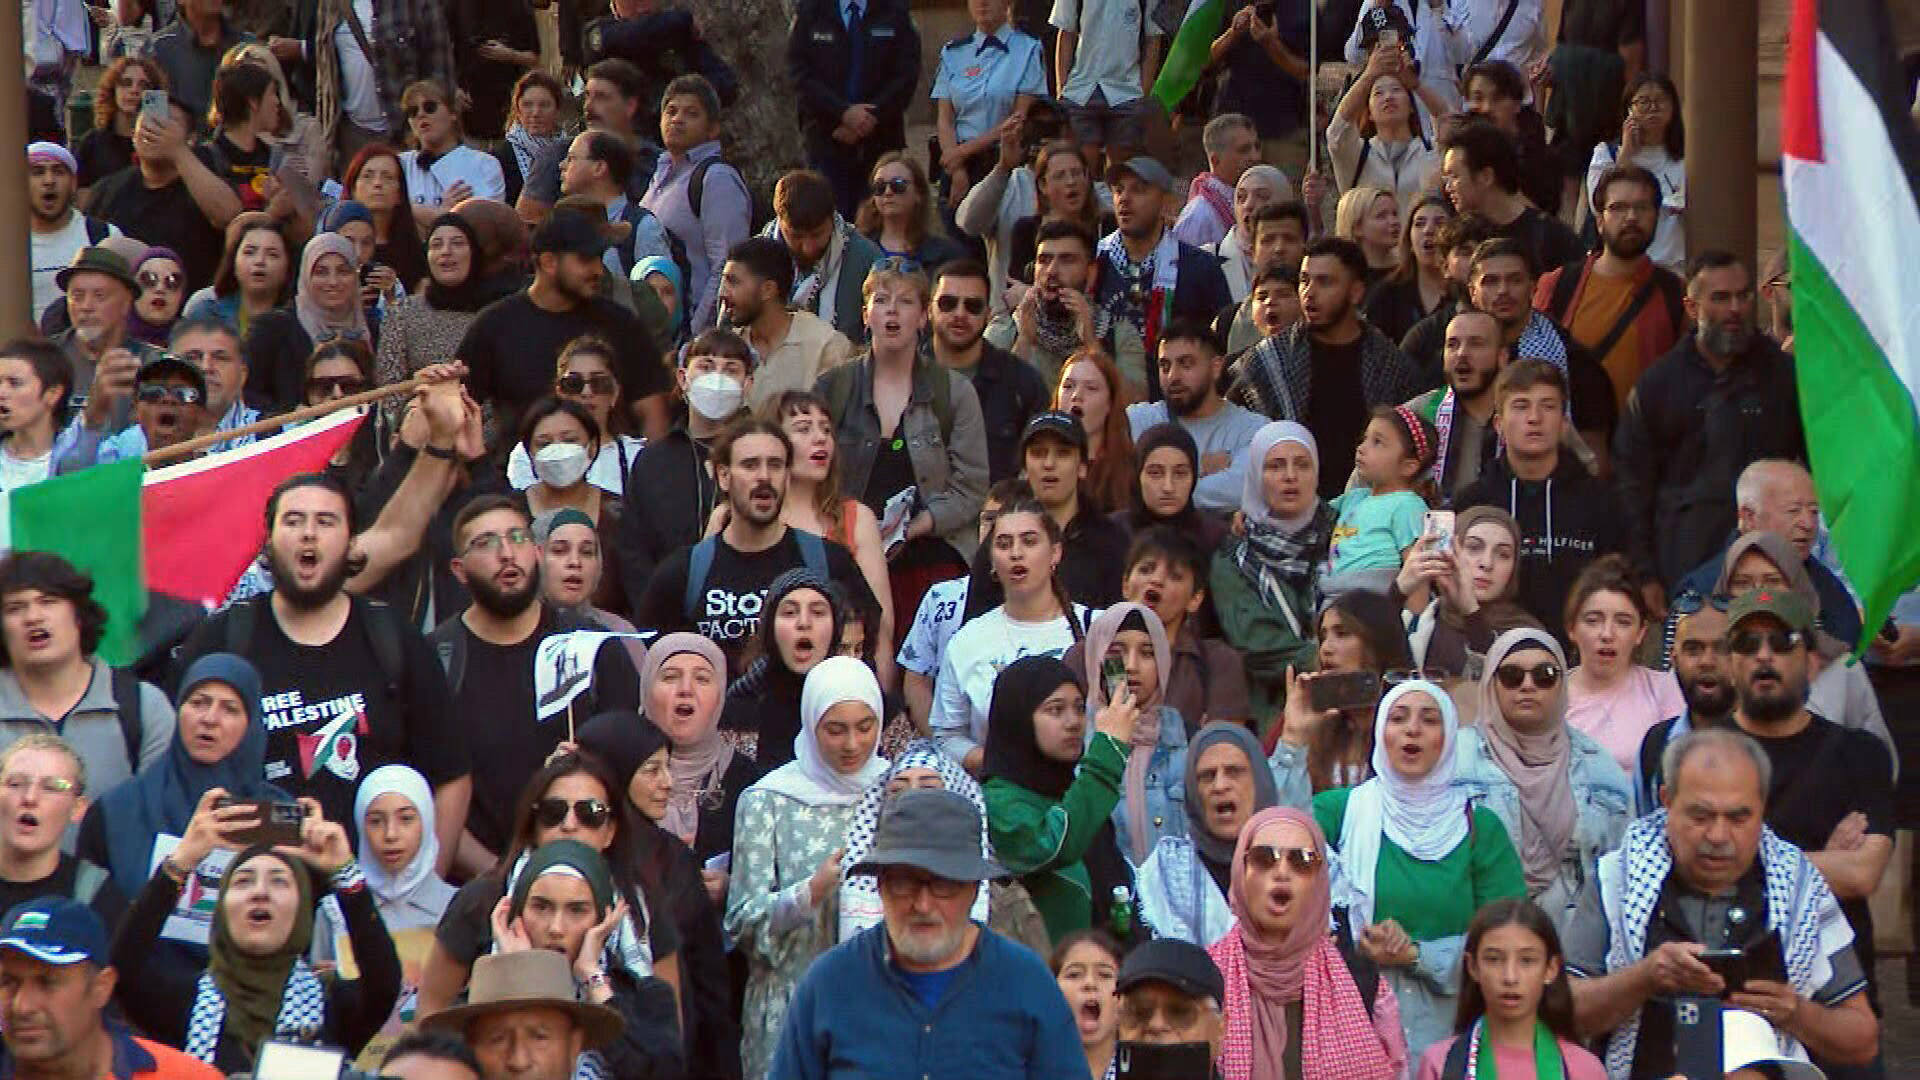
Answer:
(714, 396)
(560, 465)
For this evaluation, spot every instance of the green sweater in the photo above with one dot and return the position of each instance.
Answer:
(1433, 900)
(1265, 637)
(1042, 841)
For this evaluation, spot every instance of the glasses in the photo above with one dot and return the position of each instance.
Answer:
(975, 305)
(151, 280)
(329, 385)
(908, 886)
(1622, 209)
(1694, 603)
(1648, 104)
(599, 383)
(590, 813)
(156, 394)
(896, 264)
(1747, 642)
(1181, 1012)
(1545, 675)
(18, 783)
(491, 542)
(1426, 674)
(424, 108)
(896, 186)
(1302, 860)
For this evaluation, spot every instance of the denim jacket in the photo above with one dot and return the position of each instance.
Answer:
(1601, 791)
(951, 472)
(1166, 786)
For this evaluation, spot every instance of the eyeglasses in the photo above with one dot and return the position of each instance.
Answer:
(158, 394)
(896, 264)
(489, 543)
(975, 305)
(1181, 1012)
(151, 280)
(591, 813)
(1426, 674)
(1545, 675)
(329, 385)
(895, 186)
(907, 886)
(599, 383)
(426, 107)
(18, 783)
(1648, 104)
(1302, 860)
(1747, 642)
(1622, 209)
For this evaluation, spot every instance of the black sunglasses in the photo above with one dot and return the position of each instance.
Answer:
(423, 108)
(895, 186)
(1546, 675)
(1747, 642)
(599, 382)
(1694, 603)
(1264, 857)
(591, 813)
(975, 305)
(156, 394)
(328, 385)
(152, 280)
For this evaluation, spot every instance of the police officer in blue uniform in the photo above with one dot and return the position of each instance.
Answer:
(854, 65)
(663, 44)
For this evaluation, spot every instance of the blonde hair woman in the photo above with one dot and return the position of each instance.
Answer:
(1370, 216)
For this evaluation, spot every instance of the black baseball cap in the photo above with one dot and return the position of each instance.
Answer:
(1180, 964)
(162, 364)
(1061, 425)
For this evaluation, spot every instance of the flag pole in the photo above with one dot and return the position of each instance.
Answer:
(1313, 89)
(272, 424)
(16, 314)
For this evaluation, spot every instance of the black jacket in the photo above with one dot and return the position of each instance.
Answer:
(706, 996)
(1010, 393)
(1566, 522)
(1199, 293)
(1425, 342)
(1686, 434)
(680, 493)
(820, 58)
(664, 46)
(1095, 556)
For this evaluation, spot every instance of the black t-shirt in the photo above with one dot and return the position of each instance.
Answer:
(508, 742)
(892, 473)
(100, 153)
(1820, 775)
(736, 587)
(512, 344)
(1337, 410)
(246, 170)
(466, 928)
(1548, 242)
(1603, 24)
(166, 217)
(108, 901)
(332, 716)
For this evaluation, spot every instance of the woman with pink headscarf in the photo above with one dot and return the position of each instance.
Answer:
(1298, 1005)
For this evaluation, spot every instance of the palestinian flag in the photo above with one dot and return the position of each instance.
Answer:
(1850, 162)
(1187, 56)
(187, 530)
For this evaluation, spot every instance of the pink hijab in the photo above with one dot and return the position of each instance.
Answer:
(1277, 970)
(1146, 727)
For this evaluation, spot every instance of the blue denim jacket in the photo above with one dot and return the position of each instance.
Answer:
(1601, 792)
(1166, 785)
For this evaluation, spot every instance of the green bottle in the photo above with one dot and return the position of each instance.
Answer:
(1120, 913)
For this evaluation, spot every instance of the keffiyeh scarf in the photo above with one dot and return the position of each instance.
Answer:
(1277, 561)
(1334, 1021)
(860, 893)
(627, 946)
(1146, 296)
(303, 1011)
(527, 147)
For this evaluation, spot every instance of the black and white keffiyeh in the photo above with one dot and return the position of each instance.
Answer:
(860, 893)
(303, 1011)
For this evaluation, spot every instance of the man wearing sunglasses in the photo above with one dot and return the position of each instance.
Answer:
(1171, 994)
(169, 407)
(1010, 392)
(929, 991)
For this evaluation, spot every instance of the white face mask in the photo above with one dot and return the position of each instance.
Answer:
(714, 396)
(560, 465)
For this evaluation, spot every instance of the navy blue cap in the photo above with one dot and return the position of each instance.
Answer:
(56, 930)
(1061, 425)
(1180, 964)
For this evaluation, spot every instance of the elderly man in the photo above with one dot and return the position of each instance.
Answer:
(1170, 996)
(929, 992)
(523, 1020)
(1705, 873)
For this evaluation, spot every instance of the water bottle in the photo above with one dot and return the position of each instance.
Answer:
(1120, 913)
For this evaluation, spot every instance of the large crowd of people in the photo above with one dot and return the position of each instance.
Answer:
(1347, 601)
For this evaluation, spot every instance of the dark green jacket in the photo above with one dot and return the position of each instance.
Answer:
(1043, 841)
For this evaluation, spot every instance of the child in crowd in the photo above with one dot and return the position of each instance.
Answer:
(1380, 519)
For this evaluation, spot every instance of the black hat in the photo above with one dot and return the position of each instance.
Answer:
(930, 829)
(1180, 964)
(1060, 425)
(166, 363)
(570, 232)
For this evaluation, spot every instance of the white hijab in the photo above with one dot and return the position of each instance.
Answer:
(405, 782)
(808, 778)
(1426, 818)
(1253, 492)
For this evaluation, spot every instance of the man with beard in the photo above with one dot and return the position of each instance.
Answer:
(1718, 401)
(511, 346)
(1146, 274)
(1010, 392)
(170, 407)
(1619, 305)
(100, 290)
(830, 257)
(1832, 789)
(58, 228)
(489, 652)
(793, 346)
(717, 586)
(1462, 411)
(1330, 368)
(1190, 367)
(615, 102)
(1700, 665)
(1056, 317)
(346, 685)
(974, 996)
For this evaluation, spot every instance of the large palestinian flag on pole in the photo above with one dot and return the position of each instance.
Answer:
(1850, 161)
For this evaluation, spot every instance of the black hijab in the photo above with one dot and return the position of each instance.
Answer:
(766, 700)
(623, 739)
(1011, 752)
(469, 294)
(1154, 438)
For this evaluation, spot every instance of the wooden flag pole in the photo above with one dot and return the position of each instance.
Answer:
(272, 424)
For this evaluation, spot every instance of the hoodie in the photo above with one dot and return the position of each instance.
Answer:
(1566, 522)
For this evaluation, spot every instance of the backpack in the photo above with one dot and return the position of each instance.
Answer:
(762, 211)
(97, 230)
(837, 387)
(87, 879)
(813, 553)
(381, 622)
(633, 215)
(126, 701)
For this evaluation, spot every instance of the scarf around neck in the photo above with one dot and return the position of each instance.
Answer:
(817, 289)
(699, 765)
(320, 325)
(527, 147)
(1426, 818)
(860, 893)
(809, 778)
(1217, 195)
(1146, 726)
(1155, 279)
(1265, 794)
(1540, 766)
(392, 888)
(253, 990)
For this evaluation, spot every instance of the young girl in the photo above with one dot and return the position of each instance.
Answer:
(1378, 521)
(1035, 619)
(1152, 803)
(1086, 964)
(1516, 1013)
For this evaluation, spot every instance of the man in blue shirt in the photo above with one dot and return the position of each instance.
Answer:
(929, 992)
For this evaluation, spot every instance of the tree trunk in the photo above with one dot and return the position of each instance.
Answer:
(761, 128)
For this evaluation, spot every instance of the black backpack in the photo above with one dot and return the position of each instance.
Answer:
(696, 189)
(450, 643)
(1366, 973)
(126, 701)
(381, 622)
(813, 553)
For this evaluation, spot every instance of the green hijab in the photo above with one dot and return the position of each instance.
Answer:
(253, 985)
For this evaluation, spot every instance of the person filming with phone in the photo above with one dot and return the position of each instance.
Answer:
(1703, 900)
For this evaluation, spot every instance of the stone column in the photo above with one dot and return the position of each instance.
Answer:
(762, 135)
(1723, 147)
